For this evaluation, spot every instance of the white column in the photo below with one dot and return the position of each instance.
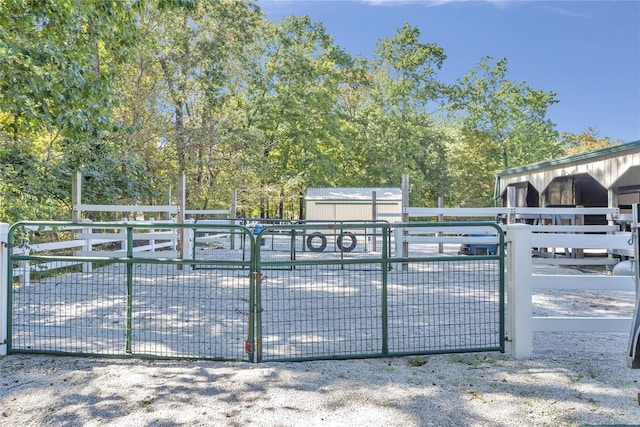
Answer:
(519, 305)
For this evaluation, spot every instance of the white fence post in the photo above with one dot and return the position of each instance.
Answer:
(399, 232)
(4, 287)
(87, 267)
(152, 240)
(519, 292)
(187, 242)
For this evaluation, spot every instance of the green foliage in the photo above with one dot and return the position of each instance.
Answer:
(134, 94)
(474, 158)
(586, 141)
(511, 114)
(397, 125)
(58, 60)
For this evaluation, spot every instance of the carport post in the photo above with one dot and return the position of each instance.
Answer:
(4, 287)
(519, 303)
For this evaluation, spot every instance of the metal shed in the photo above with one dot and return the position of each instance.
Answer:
(348, 204)
(609, 177)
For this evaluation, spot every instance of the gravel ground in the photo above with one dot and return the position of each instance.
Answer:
(572, 379)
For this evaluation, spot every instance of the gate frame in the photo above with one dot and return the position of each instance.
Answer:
(254, 322)
(387, 258)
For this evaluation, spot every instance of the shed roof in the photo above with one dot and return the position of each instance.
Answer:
(348, 193)
(589, 155)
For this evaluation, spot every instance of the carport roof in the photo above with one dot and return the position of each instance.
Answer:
(349, 193)
(589, 155)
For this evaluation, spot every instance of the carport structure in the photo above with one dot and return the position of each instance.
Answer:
(608, 177)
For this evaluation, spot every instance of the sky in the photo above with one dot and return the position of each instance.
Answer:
(587, 52)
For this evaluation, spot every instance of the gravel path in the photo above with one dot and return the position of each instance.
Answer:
(572, 379)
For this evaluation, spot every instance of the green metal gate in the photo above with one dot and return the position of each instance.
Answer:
(135, 290)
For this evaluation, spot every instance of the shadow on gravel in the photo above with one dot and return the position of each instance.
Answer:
(571, 380)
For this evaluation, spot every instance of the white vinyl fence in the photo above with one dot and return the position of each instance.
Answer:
(522, 240)
(89, 240)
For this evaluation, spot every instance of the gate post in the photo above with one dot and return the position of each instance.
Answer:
(519, 290)
(4, 287)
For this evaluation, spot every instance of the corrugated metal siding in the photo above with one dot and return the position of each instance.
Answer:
(351, 204)
(315, 211)
(605, 171)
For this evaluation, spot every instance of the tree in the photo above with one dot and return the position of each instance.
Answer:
(58, 62)
(292, 103)
(397, 121)
(193, 76)
(513, 115)
(588, 140)
(473, 160)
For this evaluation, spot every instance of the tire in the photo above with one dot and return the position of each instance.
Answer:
(313, 236)
(341, 245)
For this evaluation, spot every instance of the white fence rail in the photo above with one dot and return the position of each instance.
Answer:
(140, 209)
(87, 241)
(522, 283)
(515, 212)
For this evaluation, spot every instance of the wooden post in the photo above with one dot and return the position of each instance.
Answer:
(405, 218)
(580, 221)
(168, 216)
(512, 202)
(301, 207)
(76, 216)
(182, 202)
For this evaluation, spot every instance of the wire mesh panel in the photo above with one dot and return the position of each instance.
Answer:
(70, 313)
(143, 305)
(321, 311)
(186, 313)
(444, 305)
(347, 305)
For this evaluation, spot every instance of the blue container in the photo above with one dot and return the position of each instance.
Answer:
(257, 229)
(478, 248)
